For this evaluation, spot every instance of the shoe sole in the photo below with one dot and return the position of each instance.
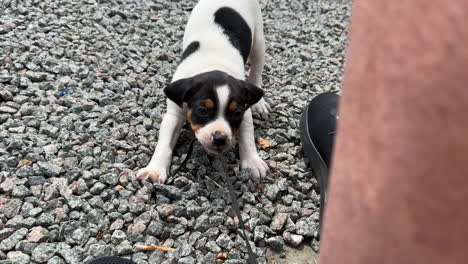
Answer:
(314, 160)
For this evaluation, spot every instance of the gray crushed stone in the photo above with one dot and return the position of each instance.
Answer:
(68, 192)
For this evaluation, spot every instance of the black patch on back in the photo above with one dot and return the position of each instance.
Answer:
(236, 28)
(191, 48)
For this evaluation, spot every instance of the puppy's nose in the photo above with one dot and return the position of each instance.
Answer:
(219, 139)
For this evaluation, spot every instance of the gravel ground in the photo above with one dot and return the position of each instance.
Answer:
(68, 192)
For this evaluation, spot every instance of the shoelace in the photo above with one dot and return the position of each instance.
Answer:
(189, 154)
(252, 259)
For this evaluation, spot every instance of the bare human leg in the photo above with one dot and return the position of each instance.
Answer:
(399, 182)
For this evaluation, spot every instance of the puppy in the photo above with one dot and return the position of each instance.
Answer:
(209, 88)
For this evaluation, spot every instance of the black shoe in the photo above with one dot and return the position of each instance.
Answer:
(111, 260)
(318, 124)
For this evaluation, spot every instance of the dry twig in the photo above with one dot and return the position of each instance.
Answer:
(145, 247)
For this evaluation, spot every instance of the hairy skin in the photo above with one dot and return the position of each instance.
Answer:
(399, 182)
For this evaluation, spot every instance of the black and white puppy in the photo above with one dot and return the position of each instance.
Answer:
(209, 88)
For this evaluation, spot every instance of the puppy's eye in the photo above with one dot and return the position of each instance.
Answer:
(238, 113)
(202, 111)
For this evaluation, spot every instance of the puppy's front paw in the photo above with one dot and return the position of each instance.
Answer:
(261, 107)
(257, 166)
(156, 174)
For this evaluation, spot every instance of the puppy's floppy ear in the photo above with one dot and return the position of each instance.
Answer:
(177, 90)
(252, 92)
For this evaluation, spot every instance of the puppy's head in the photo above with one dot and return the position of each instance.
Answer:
(216, 105)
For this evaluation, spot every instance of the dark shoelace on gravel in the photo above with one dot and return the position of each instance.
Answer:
(189, 154)
(252, 259)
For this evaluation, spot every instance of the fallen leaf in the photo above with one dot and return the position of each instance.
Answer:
(101, 233)
(263, 143)
(144, 247)
(222, 256)
(24, 163)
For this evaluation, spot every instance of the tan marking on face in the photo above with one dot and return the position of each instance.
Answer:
(235, 132)
(209, 103)
(189, 114)
(233, 106)
(195, 128)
